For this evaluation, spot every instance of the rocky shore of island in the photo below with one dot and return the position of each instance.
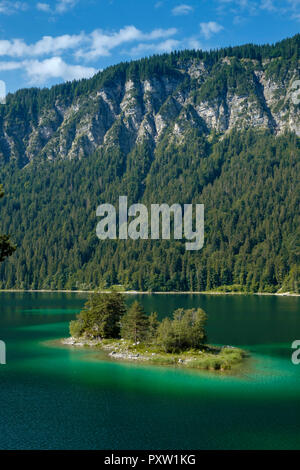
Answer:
(215, 358)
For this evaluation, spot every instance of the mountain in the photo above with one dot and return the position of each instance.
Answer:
(220, 128)
(243, 87)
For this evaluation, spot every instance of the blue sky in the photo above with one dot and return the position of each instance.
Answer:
(51, 41)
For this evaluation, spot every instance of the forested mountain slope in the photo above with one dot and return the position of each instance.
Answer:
(219, 128)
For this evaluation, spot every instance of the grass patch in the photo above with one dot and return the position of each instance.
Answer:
(209, 358)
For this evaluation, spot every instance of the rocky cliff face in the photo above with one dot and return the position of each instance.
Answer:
(231, 93)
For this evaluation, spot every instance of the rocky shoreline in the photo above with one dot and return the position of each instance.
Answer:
(212, 358)
(111, 349)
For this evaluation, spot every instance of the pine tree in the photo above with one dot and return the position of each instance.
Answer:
(153, 326)
(101, 316)
(135, 323)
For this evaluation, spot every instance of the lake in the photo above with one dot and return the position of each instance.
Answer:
(59, 398)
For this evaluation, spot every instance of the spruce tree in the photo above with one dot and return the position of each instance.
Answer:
(135, 323)
(153, 326)
(101, 316)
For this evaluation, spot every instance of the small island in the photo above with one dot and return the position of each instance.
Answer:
(131, 335)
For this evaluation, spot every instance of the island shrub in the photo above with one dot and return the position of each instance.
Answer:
(185, 331)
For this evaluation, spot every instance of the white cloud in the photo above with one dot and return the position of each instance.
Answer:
(102, 43)
(294, 8)
(41, 71)
(182, 10)
(238, 19)
(65, 5)
(13, 48)
(8, 7)
(43, 60)
(193, 43)
(288, 7)
(165, 46)
(49, 44)
(159, 33)
(88, 46)
(7, 66)
(243, 4)
(282, 7)
(210, 28)
(235, 7)
(46, 45)
(43, 7)
(62, 6)
(268, 5)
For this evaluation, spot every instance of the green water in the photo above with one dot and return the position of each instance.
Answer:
(58, 398)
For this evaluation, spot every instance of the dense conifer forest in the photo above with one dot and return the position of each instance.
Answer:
(247, 176)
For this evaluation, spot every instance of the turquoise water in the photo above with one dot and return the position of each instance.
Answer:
(58, 398)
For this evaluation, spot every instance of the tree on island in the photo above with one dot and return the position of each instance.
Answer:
(6, 247)
(153, 327)
(105, 317)
(185, 331)
(100, 317)
(177, 340)
(135, 324)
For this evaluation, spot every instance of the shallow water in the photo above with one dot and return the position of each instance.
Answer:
(60, 398)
